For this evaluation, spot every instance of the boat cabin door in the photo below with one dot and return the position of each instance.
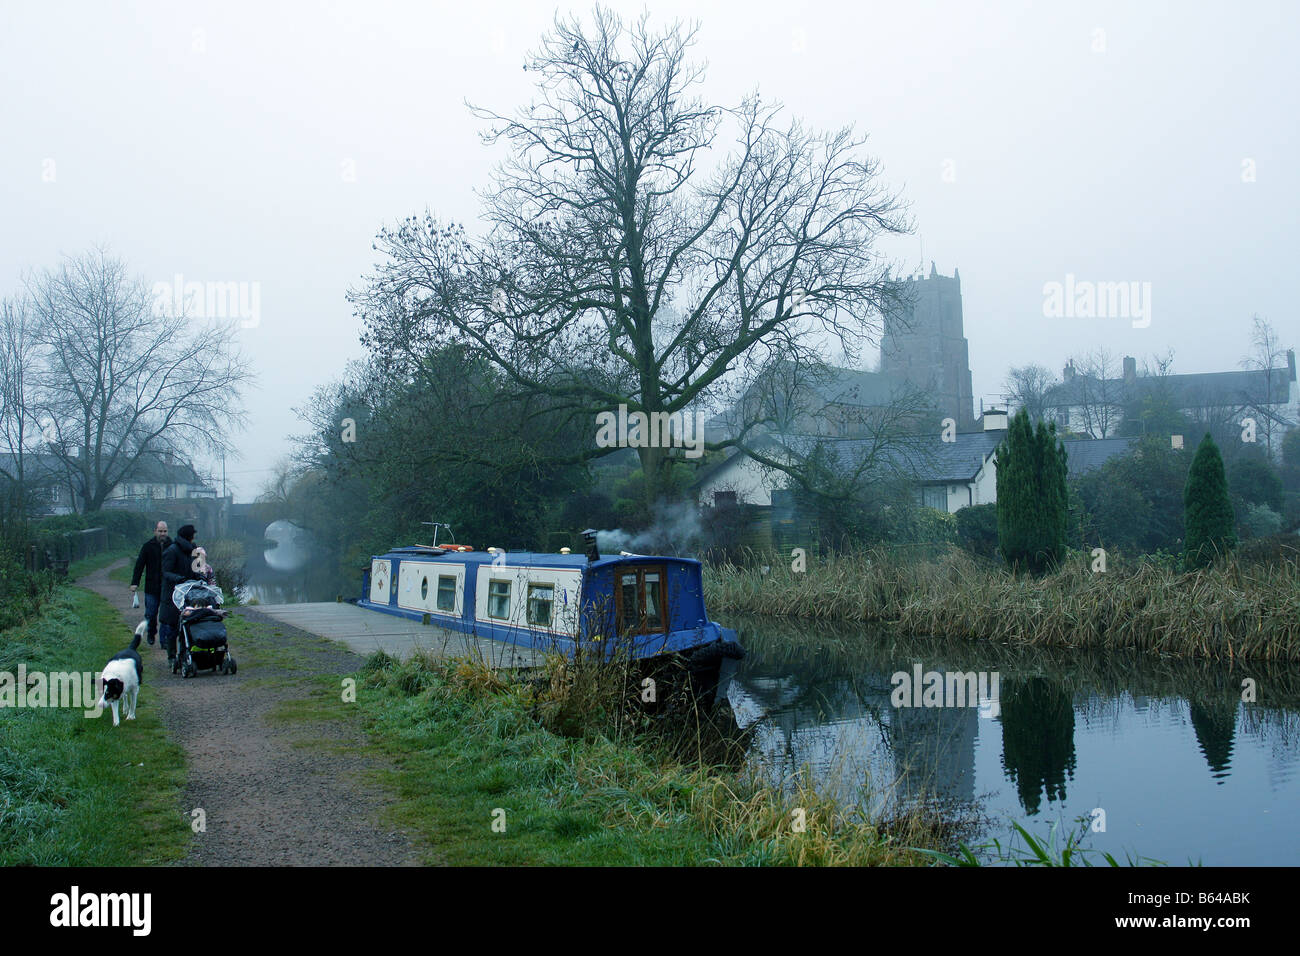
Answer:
(640, 600)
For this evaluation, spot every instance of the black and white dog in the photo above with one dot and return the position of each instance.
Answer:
(122, 677)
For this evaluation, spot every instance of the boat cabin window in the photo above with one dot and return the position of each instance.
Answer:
(640, 601)
(541, 602)
(499, 599)
(424, 589)
(446, 592)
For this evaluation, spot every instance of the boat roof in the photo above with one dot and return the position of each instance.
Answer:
(530, 558)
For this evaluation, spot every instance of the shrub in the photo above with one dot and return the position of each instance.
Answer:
(1256, 481)
(977, 529)
(1261, 521)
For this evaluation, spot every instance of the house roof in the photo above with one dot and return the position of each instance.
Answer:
(1190, 390)
(924, 458)
(1088, 454)
(846, 386)
(149, 469)
(930, 460)
(155, 470)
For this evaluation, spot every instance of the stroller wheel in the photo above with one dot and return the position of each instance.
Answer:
(231, 661)
(189, 670)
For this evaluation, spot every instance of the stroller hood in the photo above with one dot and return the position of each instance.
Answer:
(196, 594)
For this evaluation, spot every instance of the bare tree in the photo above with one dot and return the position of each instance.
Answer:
(17, 422)
(1269, 357)
(1028, 387)
(1100, 392)
(120, 381)
(884, 446)
(629, 262)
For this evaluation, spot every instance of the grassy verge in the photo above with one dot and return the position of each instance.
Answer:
(67, 783)
(483, 781)
(79, 569)
(1232, 610)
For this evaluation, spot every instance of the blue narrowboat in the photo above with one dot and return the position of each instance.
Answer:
(647, 606)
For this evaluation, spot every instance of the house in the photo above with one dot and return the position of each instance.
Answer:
(946, 474)
(155, 479)
(159, 477)
(1098, 407)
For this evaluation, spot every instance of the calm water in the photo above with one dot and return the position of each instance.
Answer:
(1182, 768)
(294, 571)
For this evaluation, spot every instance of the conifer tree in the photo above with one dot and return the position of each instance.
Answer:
(1207, 511)
(1032, 498)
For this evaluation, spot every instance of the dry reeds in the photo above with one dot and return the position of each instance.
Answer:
(1229, 611)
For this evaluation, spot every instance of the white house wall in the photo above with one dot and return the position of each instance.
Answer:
(752, 482)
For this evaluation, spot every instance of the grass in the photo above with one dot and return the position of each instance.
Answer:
(1025, 849)
(79, 569)
(68, 782)
(472, 750)
(1231, 611)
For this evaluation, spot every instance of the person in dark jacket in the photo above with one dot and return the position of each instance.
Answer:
(177, 567)
(150, 563)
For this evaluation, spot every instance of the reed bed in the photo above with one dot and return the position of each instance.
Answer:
(1230, 611)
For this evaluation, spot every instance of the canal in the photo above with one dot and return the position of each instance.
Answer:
(1169, 759)
(1162, 758)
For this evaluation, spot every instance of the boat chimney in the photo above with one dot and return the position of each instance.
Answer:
(589, 542)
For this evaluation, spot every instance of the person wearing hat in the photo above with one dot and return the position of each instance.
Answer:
(177, 567)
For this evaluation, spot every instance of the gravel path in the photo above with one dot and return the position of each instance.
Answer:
(276, 790)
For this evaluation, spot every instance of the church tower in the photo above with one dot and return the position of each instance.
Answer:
(924, 344)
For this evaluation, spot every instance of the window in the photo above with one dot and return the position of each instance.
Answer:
(541, 603)
(935, 497)
(499, 599)
(424, 589)
(629, 602)
(447, 593)
(640, 601)
(654, 612)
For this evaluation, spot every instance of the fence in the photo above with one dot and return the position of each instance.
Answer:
(54, 551)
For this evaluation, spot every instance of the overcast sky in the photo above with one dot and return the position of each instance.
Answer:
(266, 142)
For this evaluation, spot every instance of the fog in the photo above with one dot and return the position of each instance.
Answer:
(265, 145)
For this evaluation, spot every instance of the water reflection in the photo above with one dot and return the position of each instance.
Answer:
(1183, 768)
(1037, 739)
(1215, 722)
(288, 547)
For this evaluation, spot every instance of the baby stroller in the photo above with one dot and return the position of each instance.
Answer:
(201, 642)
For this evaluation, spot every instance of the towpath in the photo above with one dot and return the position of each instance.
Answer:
(281, 782)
